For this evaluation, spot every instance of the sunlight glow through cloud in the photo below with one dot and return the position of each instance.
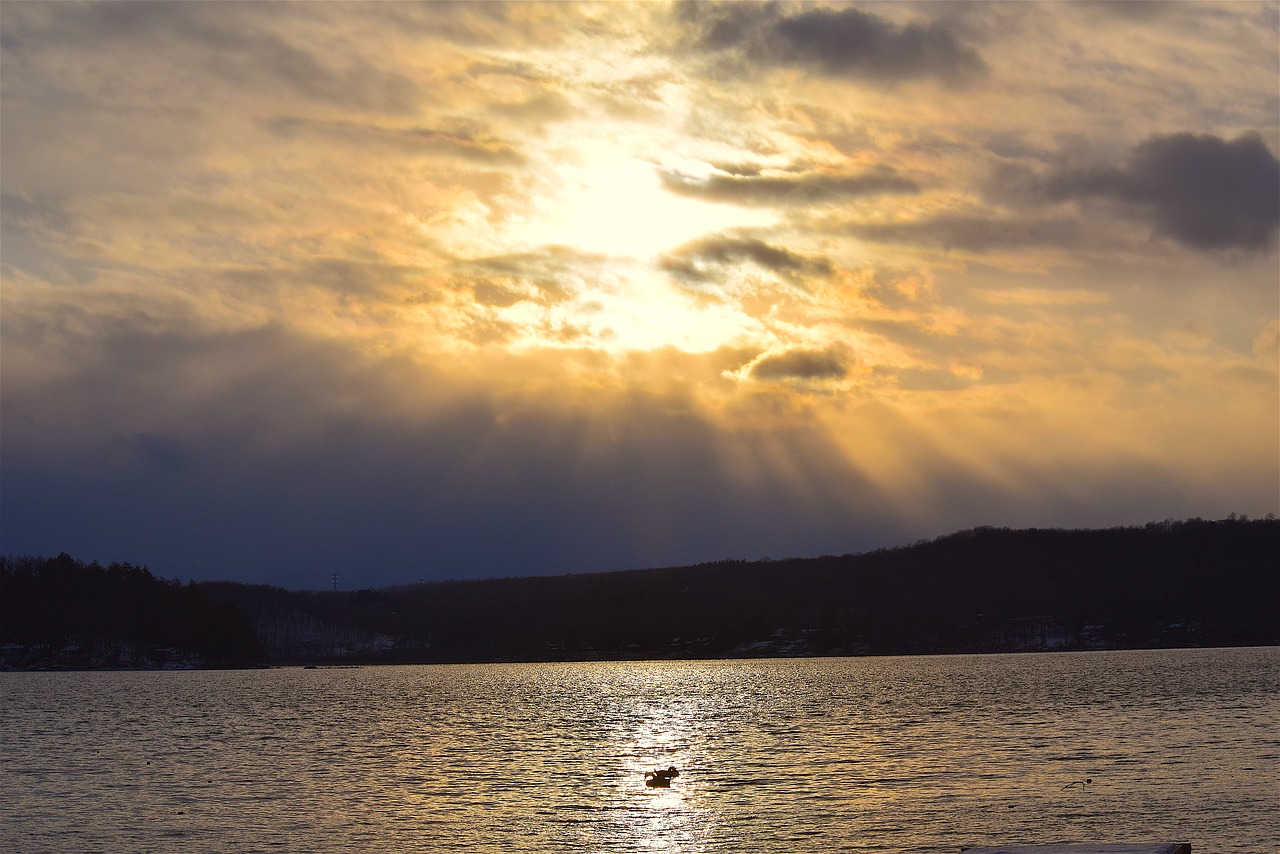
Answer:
(614, 204)
(487, 289)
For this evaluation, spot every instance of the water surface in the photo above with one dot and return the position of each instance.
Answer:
(816, 755)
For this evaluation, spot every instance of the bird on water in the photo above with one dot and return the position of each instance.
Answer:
(661, 778)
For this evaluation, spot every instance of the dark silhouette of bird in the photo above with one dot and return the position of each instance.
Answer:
(661, 778)
(1081, 783)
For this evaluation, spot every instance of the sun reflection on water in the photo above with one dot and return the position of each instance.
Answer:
(654, 732)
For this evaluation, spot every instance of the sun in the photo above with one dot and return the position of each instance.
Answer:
(606, 202)
(651, 314)
(614, 203)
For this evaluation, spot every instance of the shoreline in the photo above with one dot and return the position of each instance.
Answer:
(358, 664)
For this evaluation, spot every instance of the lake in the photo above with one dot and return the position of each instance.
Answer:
(798, 755)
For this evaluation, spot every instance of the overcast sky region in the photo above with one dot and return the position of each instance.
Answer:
(455, 290)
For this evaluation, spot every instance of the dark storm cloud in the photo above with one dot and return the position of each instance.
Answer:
(840, 42)
(690, 260)
(1202, 191)
(805, 189)
(802, 364)
(267, 456)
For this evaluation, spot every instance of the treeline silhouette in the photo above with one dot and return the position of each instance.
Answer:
(60, 612)
(1188, 583)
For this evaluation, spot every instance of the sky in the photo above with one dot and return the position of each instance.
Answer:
(434, 291)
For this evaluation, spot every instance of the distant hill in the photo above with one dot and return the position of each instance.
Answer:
(1192, 583)
(1189, 583)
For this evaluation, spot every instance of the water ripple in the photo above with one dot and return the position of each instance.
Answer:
(872, 755)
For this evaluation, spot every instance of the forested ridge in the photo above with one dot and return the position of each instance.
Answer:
(1188, 583)
(60, 612)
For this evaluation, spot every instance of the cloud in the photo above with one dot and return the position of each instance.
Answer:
(182, 450)
(286, 287)
(1202, 191)
(782, 190)
(243, 47)
(974, 232)
(841, 42)
(162, 452)
(1267, 344)
(550, 275)
(1127, 10)
(466, 141)
(690, 261)
(801, 364)
(542, 108)
(1043, 297)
